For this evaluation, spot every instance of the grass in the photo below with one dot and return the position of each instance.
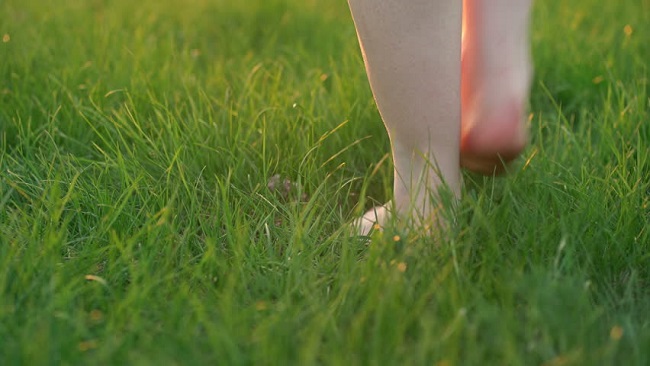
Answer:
(137, 141)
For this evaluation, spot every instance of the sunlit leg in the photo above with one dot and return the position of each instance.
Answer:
(411, 50)
(496, 74)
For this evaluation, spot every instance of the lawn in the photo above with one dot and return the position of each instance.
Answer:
(176, 179)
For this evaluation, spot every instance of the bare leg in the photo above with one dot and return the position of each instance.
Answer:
(411, 50)
(496, 74)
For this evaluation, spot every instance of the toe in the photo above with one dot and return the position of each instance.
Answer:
(373, 219)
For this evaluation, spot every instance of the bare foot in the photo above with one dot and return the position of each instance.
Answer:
(373, 219)
(378, 217)
(496, 74)
(410, 49)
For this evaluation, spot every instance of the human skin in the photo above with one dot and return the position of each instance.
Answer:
(412, 62)
(496, 76)
(423, 74)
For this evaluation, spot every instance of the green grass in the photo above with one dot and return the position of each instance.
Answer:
(137, 139)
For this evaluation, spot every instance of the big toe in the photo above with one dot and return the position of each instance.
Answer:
(373, 219)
